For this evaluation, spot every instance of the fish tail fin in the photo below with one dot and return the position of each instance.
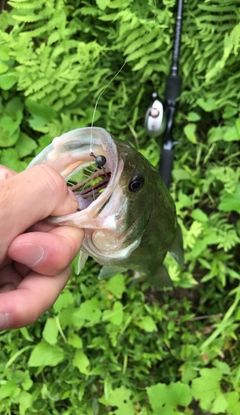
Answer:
(160, 278)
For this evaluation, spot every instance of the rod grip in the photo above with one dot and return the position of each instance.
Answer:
(166, 165)
(173, 87)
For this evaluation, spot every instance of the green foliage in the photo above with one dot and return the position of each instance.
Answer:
(207, 389)
(108, 347)
(165, 399)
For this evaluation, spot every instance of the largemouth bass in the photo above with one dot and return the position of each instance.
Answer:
(126, 211)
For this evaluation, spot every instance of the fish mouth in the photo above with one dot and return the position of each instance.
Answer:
(74, 155)
(92, 187)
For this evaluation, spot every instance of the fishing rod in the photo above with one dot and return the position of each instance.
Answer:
(160, 115)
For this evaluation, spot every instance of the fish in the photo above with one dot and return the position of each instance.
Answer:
(125, 209)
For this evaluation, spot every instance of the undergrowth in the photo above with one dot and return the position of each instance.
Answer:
(108, 347)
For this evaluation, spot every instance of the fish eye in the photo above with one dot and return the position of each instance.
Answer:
(136, 182)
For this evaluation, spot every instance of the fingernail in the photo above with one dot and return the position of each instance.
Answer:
(33, 254)
(4, 321)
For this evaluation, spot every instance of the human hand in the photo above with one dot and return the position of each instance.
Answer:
(34, 255)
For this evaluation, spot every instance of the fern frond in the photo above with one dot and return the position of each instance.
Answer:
(25, 4)
(231, 45)
(228, 176)
(227, 238)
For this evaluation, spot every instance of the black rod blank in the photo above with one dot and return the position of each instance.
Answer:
(172, 92)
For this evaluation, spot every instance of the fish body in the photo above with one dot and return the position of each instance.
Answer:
(129, 216)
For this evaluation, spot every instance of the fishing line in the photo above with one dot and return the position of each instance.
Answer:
(110, 82)
(99, 96)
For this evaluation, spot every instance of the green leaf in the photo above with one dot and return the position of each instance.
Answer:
(9, 389)
(189, 131)
(188, 371)
(222, 366)
(219, 405)
(15, 107)
(10, 137)
(206, 388)
(7, 80)
(231, 134)
(208, 105)
(25, 402)
(199, 247)
(237, 123)
(50, 331)
(147, 324)
(75, 341)
(90, 310)
(231, 202)
(41, 114)
(24, 379)
(64, 300)
(25, 145)
(102, 4)
(184, 200)
(81, 361)
(180, 174)
(116, 285)
(151, 152)
(229, 112)
(72, 316)
(233, 400)
(43, 142)
(199, 215)
(215, 134)
(178, 394)
(45, 354)
(115, 315)
(193, 116)
(121, 398)
(238, 311)
(4, 52)
(3, 67)
(165, 399)
(9, 158)
(10, 122)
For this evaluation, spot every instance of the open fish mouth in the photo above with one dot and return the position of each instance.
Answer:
(92, 186)
(74, 155)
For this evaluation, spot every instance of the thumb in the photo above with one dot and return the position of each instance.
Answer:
(30, 196)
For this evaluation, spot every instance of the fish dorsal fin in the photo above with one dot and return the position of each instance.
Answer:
(176, 248)
(109, 271)
(81, 261)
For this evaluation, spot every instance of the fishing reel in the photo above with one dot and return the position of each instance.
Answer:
(160, 116)
(155, 120)
(159, 121)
